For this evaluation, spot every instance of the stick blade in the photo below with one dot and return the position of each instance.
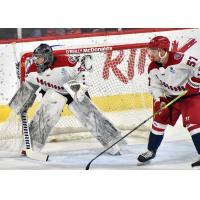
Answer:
(36, 155)
(88, 166)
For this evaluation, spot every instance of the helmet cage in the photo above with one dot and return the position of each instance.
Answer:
(44, 51)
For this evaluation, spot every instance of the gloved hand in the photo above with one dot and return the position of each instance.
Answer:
(193, 86)
(159, 104)
(78, 90)
(196, 73)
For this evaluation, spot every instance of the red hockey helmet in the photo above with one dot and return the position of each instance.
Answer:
(161, 42)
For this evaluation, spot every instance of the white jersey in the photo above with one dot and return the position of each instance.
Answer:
(170, 79)
(62, 71)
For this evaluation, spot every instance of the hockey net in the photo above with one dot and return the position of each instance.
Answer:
(119, 89)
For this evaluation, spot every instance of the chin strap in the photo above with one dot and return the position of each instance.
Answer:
(162, 57)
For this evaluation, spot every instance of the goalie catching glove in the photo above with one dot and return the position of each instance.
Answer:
(76, 90)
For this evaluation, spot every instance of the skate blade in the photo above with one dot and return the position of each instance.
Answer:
(143, 163)
(36, 155)
(114, 154)
(196, 168)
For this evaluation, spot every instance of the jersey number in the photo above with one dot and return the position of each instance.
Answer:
(192, 61)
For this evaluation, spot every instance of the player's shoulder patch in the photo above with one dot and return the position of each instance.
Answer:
(178, 56)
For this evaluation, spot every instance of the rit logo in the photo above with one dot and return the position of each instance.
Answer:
(114, 64)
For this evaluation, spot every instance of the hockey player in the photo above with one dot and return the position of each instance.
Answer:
(170, 73)
(62, 80)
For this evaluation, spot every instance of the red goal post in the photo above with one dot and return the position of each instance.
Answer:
(68, 51)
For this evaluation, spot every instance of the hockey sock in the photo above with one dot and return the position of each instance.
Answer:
(196, 141)
(154, 141)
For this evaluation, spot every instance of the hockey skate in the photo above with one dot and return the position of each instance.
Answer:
(196, 164)
(143, 158)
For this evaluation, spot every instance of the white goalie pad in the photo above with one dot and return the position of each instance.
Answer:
(46, 118)
(23, 98)
(100, 127)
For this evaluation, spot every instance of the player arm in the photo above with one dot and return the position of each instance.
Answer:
(157, 91)
(155, 87)
(193, 83)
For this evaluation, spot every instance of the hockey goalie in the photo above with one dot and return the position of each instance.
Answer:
(61, 80)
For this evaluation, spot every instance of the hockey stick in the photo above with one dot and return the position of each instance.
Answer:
(27, 140)
(26, 135)
(138, 126)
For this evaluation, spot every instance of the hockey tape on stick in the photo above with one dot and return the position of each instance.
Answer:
(27, 140)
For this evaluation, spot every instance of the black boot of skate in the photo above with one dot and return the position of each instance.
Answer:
(196, 164)
(146, 156)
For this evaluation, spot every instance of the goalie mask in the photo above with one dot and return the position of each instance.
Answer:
(43, 57)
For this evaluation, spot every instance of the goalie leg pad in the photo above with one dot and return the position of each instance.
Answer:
(23, 98)
(46, 118)
(100, 127)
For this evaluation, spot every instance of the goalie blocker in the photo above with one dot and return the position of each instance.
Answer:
(23, 98)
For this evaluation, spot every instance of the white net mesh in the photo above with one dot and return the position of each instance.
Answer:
(11, 134)
(119, 89)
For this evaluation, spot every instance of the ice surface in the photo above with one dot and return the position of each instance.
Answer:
(176, 152)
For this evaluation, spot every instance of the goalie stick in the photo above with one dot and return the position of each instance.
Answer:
(138, 126)
(26, 135)
(29, 152)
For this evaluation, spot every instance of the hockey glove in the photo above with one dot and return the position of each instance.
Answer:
(193, 86)
(78, 90)
(159, 104)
